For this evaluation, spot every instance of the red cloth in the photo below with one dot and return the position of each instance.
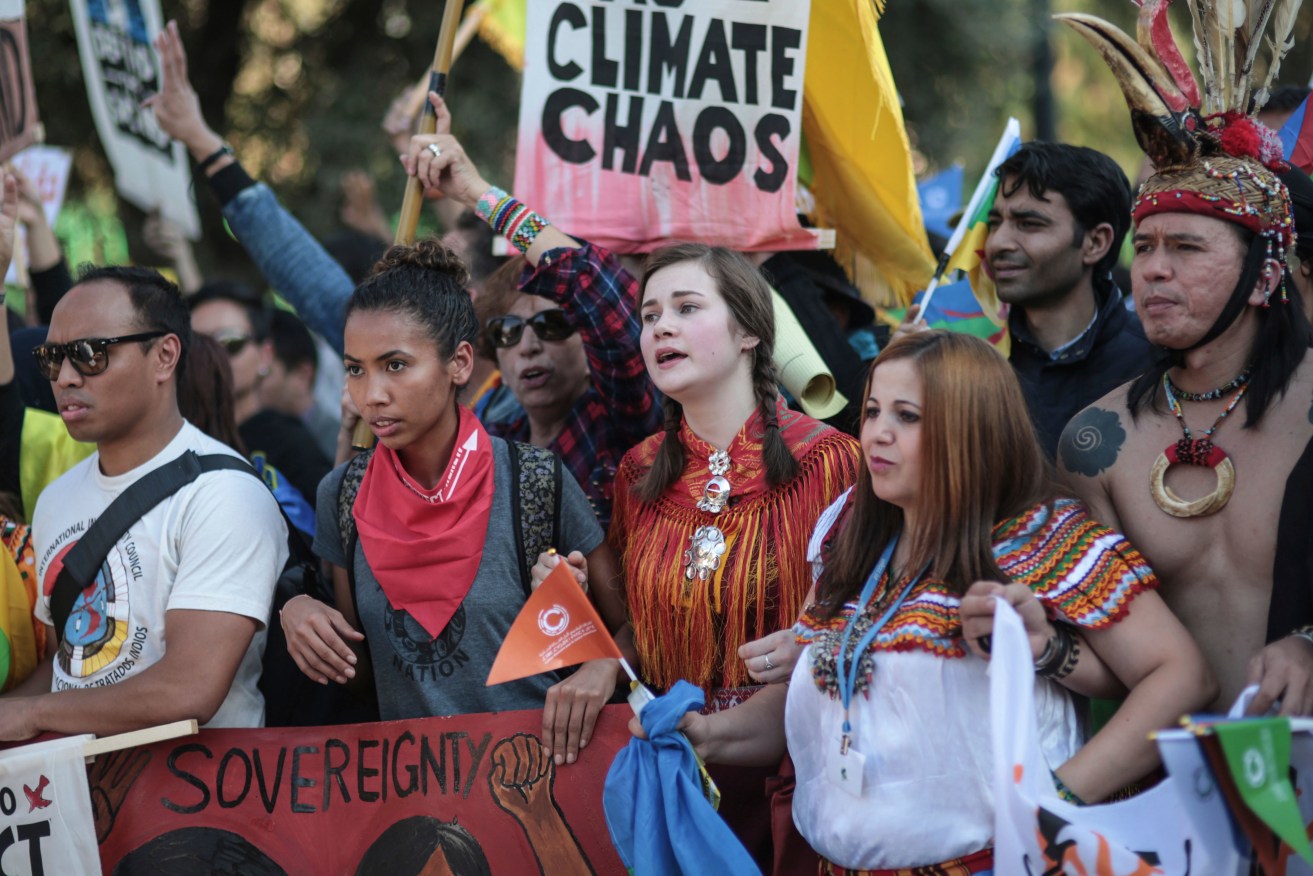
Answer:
(425, 554)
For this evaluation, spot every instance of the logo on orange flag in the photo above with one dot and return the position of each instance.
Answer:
(557, 627)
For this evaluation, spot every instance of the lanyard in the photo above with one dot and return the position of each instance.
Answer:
(848, 680)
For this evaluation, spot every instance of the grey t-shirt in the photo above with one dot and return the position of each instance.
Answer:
(420, 676)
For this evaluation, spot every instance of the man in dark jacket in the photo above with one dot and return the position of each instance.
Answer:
(1056, 229)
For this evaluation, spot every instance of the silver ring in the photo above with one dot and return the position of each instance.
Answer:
(769, 665)
(433, 147)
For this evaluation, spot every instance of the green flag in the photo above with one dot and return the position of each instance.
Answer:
(1258, 755)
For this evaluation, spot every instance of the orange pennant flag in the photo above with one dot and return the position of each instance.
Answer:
(557, 627)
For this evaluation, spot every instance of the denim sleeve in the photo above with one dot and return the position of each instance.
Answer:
(291, 260)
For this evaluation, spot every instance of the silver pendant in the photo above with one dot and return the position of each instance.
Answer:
(702, 558)
(718, 462)
(715, 495)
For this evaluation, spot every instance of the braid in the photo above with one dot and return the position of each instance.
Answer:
(781, 466)
(669, 462)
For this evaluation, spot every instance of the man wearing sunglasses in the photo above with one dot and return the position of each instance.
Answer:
(172, 625)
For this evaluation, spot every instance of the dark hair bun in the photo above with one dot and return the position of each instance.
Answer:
(429, 255)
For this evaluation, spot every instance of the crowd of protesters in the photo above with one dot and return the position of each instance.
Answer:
(552, 407)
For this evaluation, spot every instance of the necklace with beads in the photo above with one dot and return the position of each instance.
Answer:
(1199, 451)
(1211, 395)
(707, 543)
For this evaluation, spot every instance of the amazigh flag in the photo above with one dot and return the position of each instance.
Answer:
(1297, 139)
(557, 627)
(967, 244)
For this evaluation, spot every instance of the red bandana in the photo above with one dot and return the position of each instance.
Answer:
(425, 554)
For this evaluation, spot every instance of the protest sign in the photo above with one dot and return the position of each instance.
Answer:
(1037, 832)
(641, 124)
(19, 127)
(121, 70)
(45, 810)
(47, 167)
(473, 792)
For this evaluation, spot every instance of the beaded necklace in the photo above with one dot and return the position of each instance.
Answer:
(1199, 451)
(1174, 391)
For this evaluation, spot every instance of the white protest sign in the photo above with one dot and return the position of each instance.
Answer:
(121, 70)
(46, 825)
(646, 123)
(48, 168)
(1037, 832)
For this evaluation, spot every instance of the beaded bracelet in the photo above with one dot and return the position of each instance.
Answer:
(1064, 792)
(510, 218)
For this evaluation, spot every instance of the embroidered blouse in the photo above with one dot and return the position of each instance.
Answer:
(922, 720)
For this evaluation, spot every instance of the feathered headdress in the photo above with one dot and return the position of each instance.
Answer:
(1210, 154)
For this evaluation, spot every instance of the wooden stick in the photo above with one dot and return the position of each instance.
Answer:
(362, 437)
(428, 120)
(144, 736)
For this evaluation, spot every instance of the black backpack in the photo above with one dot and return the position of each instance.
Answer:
(291, 699)
(535, 506)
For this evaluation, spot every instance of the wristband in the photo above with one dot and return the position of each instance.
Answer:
(1304, 632)
(488, 202)
(214, 156)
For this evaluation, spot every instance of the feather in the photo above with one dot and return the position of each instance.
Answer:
(1203, 51)
(1259, 14)
(1281, 42)
(1230, 17)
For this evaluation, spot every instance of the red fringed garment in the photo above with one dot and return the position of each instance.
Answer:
(693, 629)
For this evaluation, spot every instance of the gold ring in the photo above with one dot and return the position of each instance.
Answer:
(1178, 507)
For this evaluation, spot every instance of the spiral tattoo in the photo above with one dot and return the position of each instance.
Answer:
(1091, 441)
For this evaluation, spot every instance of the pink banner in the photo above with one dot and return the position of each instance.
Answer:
(642, 125)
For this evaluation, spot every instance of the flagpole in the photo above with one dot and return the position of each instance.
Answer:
(362, 437)
(1011, 133)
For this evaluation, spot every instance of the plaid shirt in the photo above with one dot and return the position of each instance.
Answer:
(619, 409)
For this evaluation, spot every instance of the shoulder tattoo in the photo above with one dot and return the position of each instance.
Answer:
(1091, 441)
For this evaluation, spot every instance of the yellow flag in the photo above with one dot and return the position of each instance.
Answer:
(503, 27)
(862, 176)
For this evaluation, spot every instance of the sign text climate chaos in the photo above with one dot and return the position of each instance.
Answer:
(633, 62)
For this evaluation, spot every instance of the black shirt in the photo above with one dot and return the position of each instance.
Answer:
(289, 447)
(1110, 352)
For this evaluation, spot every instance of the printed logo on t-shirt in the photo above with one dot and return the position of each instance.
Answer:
(419, 655)
(97, 632)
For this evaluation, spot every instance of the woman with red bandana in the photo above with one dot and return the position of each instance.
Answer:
(438, 575)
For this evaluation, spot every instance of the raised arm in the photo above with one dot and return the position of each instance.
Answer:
(292, 261)
(587, 281)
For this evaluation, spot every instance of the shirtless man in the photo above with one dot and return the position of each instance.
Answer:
(1202, 494)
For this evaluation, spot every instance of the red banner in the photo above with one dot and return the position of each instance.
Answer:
(470, 794)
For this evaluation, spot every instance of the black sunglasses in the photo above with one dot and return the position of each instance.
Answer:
(89, 355)
(548, 325)
(233, 344)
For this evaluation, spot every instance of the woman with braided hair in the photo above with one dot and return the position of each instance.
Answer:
(712, 514)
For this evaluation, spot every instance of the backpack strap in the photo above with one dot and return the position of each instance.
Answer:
(535, 504)
(346, 521)
(141, 496)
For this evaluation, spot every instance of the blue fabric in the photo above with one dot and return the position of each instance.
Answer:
(292, 261)
(294, 505)
(659, 820)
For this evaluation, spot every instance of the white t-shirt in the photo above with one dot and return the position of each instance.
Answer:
(218, 544)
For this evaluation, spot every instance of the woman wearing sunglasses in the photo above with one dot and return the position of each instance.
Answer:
(436, 561)
(712, 514)
(567, 341)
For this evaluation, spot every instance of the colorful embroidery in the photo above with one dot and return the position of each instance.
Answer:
(1083, 572)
